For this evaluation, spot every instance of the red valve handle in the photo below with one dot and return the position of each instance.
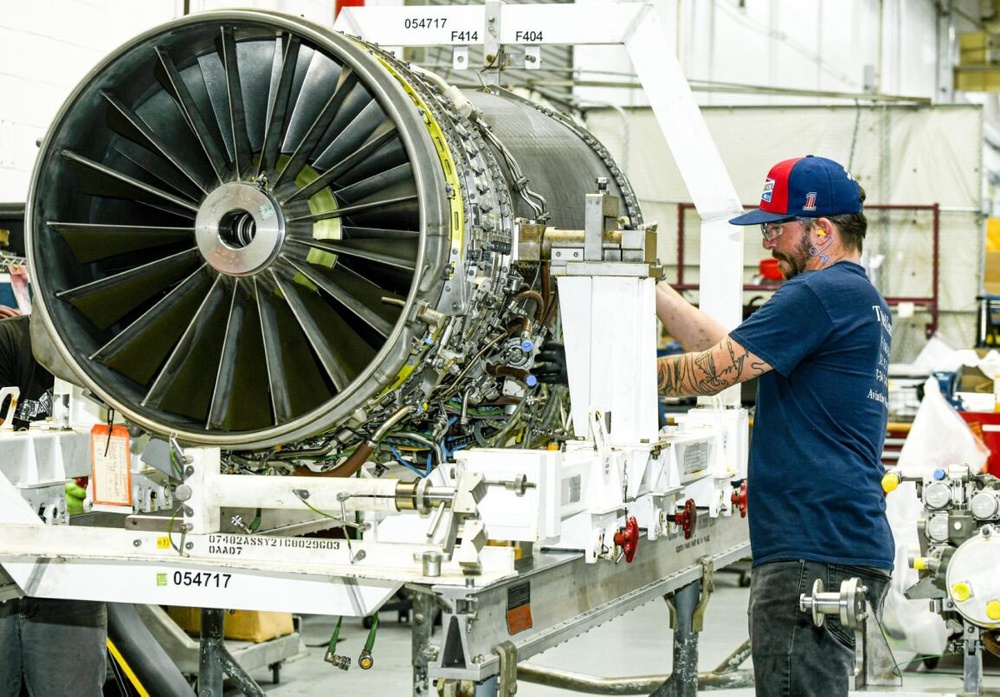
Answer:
(628, 538)
(739, 499)
(687, 518)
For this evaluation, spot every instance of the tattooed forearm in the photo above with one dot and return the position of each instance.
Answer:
(708, 372)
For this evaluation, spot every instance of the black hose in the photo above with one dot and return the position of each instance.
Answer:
(147, 659)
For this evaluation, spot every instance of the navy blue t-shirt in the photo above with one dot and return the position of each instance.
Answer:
(814, 482)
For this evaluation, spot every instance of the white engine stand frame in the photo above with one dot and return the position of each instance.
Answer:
(629, 467)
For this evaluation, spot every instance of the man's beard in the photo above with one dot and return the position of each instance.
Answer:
(793, 264)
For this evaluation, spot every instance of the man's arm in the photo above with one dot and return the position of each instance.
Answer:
(689, 326)
(710, 371)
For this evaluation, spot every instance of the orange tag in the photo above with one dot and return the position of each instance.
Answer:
(111, 473)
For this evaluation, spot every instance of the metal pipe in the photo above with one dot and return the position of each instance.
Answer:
(935, 271)
(423, 440)
(728, 88)
(684, 681)
(210, 673)
(580, 683)
(361, 453)
(215, 661)
(296, 454)
(464, 416)
(732, 662)
(287, 492)
(506, 371)
(685, 673)
(420, 651)
(244, 682)
(391, 421)
(539, 303)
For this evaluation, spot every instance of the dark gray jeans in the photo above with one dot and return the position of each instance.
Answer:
(791, 657)
(57, 646)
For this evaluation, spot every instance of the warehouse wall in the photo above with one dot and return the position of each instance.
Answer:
(48, 46)
(821, 46)
(836, 46)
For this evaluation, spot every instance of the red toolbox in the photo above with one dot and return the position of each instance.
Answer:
(987, 425)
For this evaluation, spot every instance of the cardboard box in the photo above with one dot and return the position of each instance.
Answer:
(239, 625)
(975, 382)
(991, 273)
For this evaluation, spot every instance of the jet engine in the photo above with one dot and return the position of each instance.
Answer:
(249, 231)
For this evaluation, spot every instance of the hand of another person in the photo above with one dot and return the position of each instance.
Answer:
(550, 364)
(75, 496)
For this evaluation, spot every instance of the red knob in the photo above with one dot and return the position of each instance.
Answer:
(628, 538)
(739, 499)
(687, 518)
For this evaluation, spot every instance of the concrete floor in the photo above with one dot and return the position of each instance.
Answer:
(635, 644)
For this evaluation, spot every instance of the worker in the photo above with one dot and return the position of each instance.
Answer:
(820, 350)
(53, 646)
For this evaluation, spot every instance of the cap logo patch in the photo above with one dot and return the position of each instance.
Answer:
(768, 190)
(810, 204)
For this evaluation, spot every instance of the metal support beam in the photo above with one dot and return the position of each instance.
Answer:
(424, 608)
(972, 661)
(683, 681)
(216, 662)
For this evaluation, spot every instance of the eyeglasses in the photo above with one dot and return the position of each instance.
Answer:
(772, 231)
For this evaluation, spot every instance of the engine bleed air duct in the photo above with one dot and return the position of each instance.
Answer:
(246, 230)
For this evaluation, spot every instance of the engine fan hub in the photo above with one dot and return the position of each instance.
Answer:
(239, 229)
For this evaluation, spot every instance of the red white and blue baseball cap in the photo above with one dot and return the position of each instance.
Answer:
(804, 187)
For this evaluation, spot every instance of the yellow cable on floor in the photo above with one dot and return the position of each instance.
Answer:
(127, 669)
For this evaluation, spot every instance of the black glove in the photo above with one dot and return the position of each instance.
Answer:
(550, 364)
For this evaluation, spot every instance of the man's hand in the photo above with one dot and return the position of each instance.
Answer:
(550, 364)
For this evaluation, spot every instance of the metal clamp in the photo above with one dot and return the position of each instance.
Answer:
(707, 586)
(507, 677)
